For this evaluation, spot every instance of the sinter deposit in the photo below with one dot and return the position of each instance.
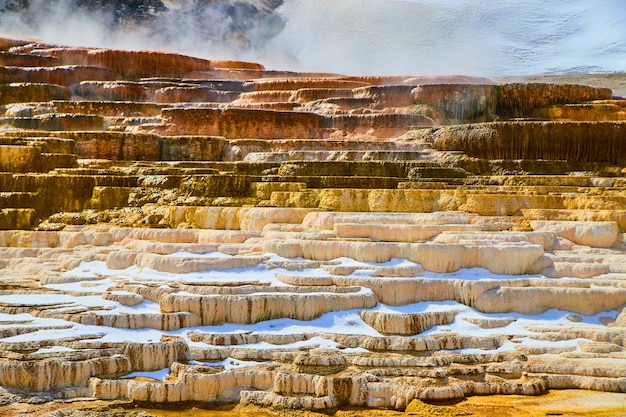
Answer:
(181, 230)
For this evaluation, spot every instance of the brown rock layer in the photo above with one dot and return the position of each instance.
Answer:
(212, 232)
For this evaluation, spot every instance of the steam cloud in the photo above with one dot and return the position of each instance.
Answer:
(206, 28)
(480, 37)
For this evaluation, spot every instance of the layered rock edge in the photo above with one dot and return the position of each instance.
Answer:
(180, 230)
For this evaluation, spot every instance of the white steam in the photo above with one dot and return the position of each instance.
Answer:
(413, 37)
(204, 28)
(482, 37)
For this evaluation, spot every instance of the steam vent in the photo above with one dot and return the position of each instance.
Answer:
(185, 231)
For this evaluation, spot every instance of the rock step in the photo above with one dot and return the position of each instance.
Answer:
(18, 219)
(213, 310)
(32, 92)
(10, 43)
(109, 197)
(387, 95)
(430, 200)
(500, 296)
(193, 94)
(432, 183)
(109, 188)
(150, 91)
(556, 180)
(305, 95)
(471, 103)
(599, 110)
(100, 179)
(270, 96)
(382, 125)
(11, 59)
(140, 64)
(397, 169)
(319, 220)
(132, 171)
(234, 123)
(64, 75)
(120, 146)
(130, 124)
(111, 359)
(315, 183)
(205, 186)
(191, 167)
(241, 147)
(569, 141)
(388, 323)
(484, 167)
(541, 190)
(347, 155)
(77, 190)
(275, 84)
(148, 240)
(56, 122)
(277, 106)
(160, 91)
(618, 216)
(98, 108)
(513, 258)
(45, 144)
(51, 161)
(343, 104)
(17, 199)
(25, 158)
(272, 224)
(415, 233)
(435, 172)
(327, 192)
(171, 90)
(336, 181)
(221, 84)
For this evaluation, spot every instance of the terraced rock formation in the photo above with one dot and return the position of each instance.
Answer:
(179, 230)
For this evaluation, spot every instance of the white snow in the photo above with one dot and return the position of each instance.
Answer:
(54, 349)
(159, 375)
(340, 322)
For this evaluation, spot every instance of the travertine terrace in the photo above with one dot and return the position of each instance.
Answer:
(180, 230)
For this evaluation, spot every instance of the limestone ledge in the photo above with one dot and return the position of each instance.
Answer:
(210, 231)
(432, 256)
(318, 392)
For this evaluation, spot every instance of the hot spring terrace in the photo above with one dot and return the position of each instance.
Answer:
(184, 230)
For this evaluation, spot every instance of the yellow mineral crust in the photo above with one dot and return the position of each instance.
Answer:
(179, 232)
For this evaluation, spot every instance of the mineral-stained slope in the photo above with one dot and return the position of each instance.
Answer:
(184, 230)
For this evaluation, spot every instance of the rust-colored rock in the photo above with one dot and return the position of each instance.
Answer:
(133, 65)
(28, 92)
(65, 75)
(240, 123)
(314, 241)
(571, 141)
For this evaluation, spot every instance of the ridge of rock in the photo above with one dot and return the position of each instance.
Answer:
(184, 230)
